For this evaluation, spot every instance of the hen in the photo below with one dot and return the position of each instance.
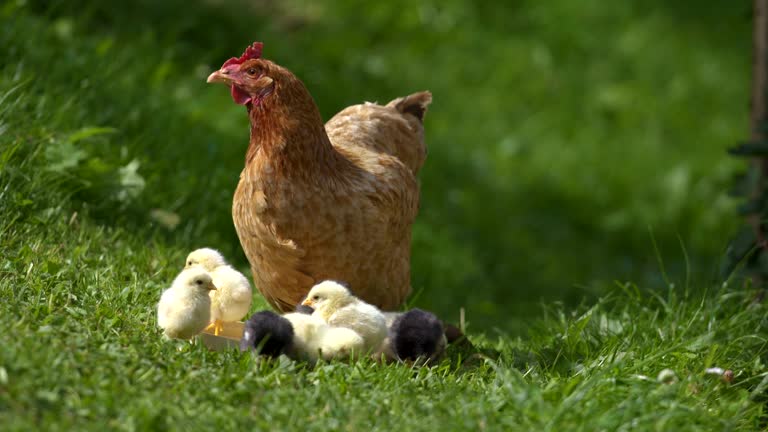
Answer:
(318, 202)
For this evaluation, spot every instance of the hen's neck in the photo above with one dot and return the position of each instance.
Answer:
(287, 129)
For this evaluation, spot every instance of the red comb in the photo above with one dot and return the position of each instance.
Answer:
(252, 52)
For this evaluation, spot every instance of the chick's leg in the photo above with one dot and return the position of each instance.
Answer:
(217, 326)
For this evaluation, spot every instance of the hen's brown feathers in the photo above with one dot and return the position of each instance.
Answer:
(395, 129)
(415, 104)
(334, 202)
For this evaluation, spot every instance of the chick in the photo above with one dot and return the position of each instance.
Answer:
(340, 343)
(335, 305)
(206, 258)
(315, 339)
(185, 308)
(299, 336)
(267, 332)
(306, 330)
(232, 299)
(417, 335)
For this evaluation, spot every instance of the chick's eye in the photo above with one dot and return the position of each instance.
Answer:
(189, 262)
(199, 281)
(317, 297)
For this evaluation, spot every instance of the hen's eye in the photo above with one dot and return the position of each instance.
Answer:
(251, 71)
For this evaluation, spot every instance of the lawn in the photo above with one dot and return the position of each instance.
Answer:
(574, 147)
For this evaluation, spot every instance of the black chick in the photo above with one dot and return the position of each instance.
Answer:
(267, 331)
(417, 334)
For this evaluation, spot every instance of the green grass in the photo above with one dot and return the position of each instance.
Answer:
(563, 138)
(80, 351)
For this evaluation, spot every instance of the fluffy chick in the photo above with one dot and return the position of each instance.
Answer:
(233, 296)
(268, 332)
(417, 335)
(334, 304)
(185, 308)
(314, 339)
(340, 343)
(206, 258)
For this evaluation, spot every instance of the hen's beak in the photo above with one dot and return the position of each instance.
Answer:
(308, 302)
(220, 76)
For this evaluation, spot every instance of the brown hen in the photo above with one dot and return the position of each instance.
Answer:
(318, 202)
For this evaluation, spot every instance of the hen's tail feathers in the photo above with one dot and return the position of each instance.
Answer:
(414, 104)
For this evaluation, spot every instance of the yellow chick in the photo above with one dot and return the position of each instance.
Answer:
(340, 343)
(334, 304)
(233, 295)
(306, 330)
(185, 308)
(313, 339)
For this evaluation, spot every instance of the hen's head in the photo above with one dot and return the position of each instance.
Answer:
(250, 78)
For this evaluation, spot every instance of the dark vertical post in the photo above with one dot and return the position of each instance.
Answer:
(759, 79)
(759, 126)
(750, 245)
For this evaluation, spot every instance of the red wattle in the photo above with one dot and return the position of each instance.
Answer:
(240, 97)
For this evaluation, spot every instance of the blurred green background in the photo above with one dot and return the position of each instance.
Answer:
(564, 136)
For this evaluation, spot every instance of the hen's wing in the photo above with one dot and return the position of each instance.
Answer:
(395, 129)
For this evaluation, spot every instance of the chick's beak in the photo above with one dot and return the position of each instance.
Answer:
(213, 287)
(308, 302)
